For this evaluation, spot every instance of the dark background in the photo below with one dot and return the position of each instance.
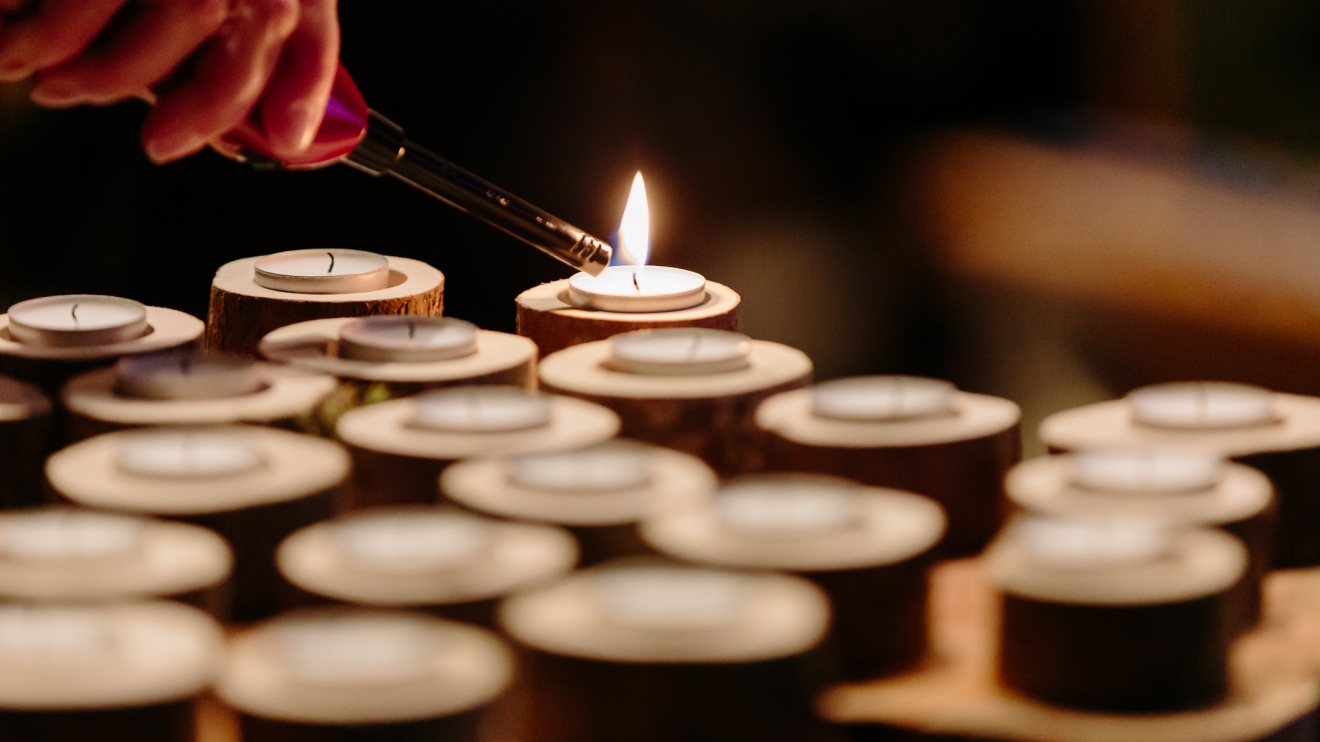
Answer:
(780, 140)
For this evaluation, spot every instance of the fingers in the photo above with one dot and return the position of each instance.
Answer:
(58, 30)
(230, 74)
(139, 51)
(295, 99)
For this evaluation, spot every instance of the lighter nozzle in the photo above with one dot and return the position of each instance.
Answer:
(590, 255)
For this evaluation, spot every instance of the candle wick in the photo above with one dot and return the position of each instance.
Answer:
(185, 364)
(635, 284)
(73, 312)
(412, 330)
(331, 269)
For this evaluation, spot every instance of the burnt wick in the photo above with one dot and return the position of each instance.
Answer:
(331, 269)
(635, 284)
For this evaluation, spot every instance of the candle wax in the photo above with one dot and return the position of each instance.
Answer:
(679, 351)
(639, 288)
(186, 374)
(61, 533)
(882, 398)
(407, 339)
(413, 541)
(607, 468)
(77, 320)
(323, 271)
(480, 409)
(1202, 405)
(188, 454)
(1156, 471)
(792, 506)
(354, 649)
(668, 598)
(1092, 543)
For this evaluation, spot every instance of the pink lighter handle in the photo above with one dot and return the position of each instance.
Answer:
(342, 129)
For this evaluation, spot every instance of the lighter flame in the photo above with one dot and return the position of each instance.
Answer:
(635, 228)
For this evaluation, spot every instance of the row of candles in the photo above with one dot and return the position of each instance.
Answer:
(269, 494)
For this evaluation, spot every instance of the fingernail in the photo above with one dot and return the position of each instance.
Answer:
(170, 147)
(54, 94)
(14, 69)
(302, 124)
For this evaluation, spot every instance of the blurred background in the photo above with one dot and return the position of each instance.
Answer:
(1052, 201)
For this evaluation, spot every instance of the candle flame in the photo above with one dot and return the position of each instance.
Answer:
(635, 227)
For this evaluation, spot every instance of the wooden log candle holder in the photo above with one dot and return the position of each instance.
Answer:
(49, 340)
(1273, 688)
(442, 560)
(191, 387)
(549, 315)
(599, 493)
(693, 390)
(400, 447)
(651, 652)
(67, 555)
(1279, 434)
(358, 675)
(75, 673)
(26, 436)
(1116, 616)
(254, 486)
(253, 296)
(867, 548)
(1181, 487)
(384, 357)
(914, 434)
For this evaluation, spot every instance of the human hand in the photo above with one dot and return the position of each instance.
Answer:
(205, 64)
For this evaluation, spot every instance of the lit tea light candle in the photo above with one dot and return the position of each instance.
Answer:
(413, 541)
(667, 598)
(80, 320)
(354, 649)
(1202, 405)
(882, 398)
(323, 271)
(679, 351)
(188, 453)
(52, 633)
(636, 286)
(1093, 543)
(1157, 471)
(407, 339)
(607, 468)
(186, 374)
(69, 534)
(788, 507)
(488, 409)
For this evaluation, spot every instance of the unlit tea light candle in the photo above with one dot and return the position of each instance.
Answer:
(188, 453)
(882, 398)
(670, 598)
(355, 649)
(64, 534)
(679, 351)
(1202, 405)
(1091, 543)
(1157, 471)
(788, 506)
(407, 339)
(77, 320)
(423, 541)
(186, 374)
(491, 409)
(323, 271)
(597, 469)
